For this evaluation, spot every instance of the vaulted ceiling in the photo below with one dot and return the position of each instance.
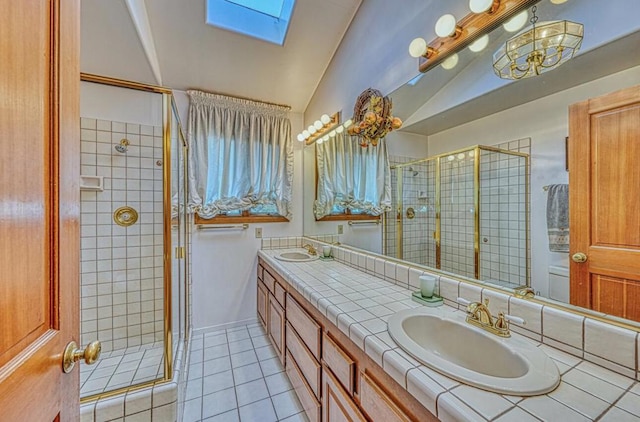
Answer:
(192, 54)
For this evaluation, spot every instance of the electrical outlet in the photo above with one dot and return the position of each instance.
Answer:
(258, 232)
(340, 229)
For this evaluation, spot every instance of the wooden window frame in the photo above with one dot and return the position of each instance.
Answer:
(246, 217)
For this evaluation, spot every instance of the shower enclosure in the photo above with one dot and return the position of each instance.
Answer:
(134, 237)
(465, 212)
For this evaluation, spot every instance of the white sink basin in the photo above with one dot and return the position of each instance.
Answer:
(296, 257)
(446, 343)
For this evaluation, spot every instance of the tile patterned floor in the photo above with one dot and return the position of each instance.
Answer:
(235, 376)
(122, 368)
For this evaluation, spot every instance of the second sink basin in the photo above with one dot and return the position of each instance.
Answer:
(444, 342)
(296, 257)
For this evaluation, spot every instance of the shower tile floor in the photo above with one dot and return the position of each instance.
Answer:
(235, 376)
(122, 368)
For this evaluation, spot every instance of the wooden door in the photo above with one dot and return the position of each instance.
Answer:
(604, 203)
(337, 405)
(39, 208)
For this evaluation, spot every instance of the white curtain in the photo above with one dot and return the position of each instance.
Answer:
(240, 155)
(352, 177)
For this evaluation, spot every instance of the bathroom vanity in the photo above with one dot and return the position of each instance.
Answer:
(327, 321)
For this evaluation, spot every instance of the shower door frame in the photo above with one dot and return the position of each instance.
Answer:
(399, 215)
(168, 107)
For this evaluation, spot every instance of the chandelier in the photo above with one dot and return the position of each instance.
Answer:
(538, 49)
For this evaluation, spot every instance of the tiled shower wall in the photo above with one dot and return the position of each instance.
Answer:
(419, 194)
(457, 224)
(122, 267)
(503, 215)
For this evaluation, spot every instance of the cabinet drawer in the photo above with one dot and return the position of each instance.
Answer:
(276, 326)
(341, 364)
(269, 280)
(280, 293)
(337, 405)
(309, 403)
(309, 331)
(308, 365)
(375, 402)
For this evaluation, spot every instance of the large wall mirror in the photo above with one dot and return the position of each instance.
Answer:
(470, 194)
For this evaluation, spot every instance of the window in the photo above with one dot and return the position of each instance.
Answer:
(267, 20)
(241, 160)
(353, 182)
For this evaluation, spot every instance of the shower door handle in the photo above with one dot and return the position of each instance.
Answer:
(73, 354)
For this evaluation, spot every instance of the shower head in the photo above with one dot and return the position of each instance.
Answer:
(122, 146)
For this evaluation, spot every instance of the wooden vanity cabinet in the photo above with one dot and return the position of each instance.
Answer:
(263, 299)
(271, 312)
(337, 404)
(333, 378)
(377, 403)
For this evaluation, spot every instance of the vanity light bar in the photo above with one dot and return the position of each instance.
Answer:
(456, 35)
(321, 130)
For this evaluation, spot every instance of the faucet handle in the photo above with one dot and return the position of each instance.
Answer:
(515, 320)
(463, 301)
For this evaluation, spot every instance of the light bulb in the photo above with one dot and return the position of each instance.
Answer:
(325, 138)
(446, 25)
(515, 23)
(450, 62)
(318, 124)
(479, 44)
(312, 129)
(340, 129)
(306, 134)
(325, 119)
(472, 153)
(558, 1)
(418, 47)
(451, 158)
(300, 137)
(332, 134)
(461, 156)
(480, 6)
(348, 123)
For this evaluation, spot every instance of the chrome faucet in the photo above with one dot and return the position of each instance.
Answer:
(310, 249)
(478, 314)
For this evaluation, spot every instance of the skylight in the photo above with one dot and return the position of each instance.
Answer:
(267, 20)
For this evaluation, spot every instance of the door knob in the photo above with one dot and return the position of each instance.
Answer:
(73, 354)
(579, 257)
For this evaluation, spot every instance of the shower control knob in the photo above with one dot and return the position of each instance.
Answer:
(72, 354)
(579, 257)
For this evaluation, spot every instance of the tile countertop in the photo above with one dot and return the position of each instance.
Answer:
(359, 304)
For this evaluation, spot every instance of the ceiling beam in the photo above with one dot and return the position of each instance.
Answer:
(138, 12)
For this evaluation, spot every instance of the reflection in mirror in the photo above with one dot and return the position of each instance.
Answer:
(352, 180)
(468, 105)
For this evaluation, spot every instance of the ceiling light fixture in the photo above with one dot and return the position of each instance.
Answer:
(558, 1)
(481, 6)
(446, 26)
(538, 49)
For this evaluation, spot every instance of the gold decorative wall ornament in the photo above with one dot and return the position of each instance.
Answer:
(125, 216)
(372, 118)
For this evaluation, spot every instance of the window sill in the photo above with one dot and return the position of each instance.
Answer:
(240, 219)
(346, 217)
